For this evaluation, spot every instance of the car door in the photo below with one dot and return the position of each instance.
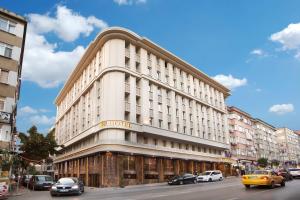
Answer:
(275, 178)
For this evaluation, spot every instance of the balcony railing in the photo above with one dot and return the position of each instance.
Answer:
(168, 101)
(138, 109)
(138, 91)
(159, 115)
(169, 118)
(159, 98)
(149, 62)
(177, 120)
(127, 106)
(151, 113)
(191, 123)
(127, 87)
(138, 58)
(127, 54)
(150, 95)
(184, 122)
(5, 117)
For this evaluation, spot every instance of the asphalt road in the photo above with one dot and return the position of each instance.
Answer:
(229, 189)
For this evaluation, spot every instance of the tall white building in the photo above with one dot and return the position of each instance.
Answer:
(132, 111)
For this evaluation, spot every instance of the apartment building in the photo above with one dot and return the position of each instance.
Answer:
(265, 140)
(131, 113)
(242, 139)
(12, 39)
(298, 134)
(288, 146)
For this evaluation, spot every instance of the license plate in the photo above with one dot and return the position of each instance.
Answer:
(64, 190)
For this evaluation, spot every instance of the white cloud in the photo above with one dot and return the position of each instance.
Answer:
(42, 120)
(67, 24)
(258, 90)
(281, 109)
(129, 2)
(229, 81)
(289, 37)
(27, 110)
(43, 63)
(258, 52)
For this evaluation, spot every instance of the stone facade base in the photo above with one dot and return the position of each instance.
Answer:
(107, 169)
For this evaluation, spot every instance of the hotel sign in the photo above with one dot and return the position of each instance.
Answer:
(115, 124)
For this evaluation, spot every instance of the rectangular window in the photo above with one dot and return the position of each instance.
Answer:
(5, 50)
(7, 25)
(2, 101)
(3, 76)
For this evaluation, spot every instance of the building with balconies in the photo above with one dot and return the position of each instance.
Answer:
(241, 134)
(133, 112)
(288, 146)
(265, 140)
(12, 40)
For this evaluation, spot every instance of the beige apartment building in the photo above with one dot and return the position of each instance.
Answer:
(242, 139)
(298, 134)
(12, 40)
(288, 146)
(131, 112)
(265, 140)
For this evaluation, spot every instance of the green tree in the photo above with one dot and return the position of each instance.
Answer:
(263, 162)
(275, 162)
(35, 146)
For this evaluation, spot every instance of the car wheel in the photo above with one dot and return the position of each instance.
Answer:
(272, 185)
(247, 186)
(53, 195)
(210, 180)
(181, 183)
(282, 183)
(220, 179)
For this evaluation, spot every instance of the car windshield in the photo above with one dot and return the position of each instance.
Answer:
(44, 178)
(206, 173)
(261, 172)
(66, 181)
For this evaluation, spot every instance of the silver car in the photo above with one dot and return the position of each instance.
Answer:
(69, 185)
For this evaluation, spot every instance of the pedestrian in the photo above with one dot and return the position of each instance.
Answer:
(237, 172)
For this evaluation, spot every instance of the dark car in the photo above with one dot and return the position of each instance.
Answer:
(285, 174)
(68, 185)
(184, 179)
(40, 182)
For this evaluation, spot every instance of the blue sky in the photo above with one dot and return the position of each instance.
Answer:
(252, 47)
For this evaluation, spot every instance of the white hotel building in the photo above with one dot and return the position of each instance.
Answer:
(131, 112)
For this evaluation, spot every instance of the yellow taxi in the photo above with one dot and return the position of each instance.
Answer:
(263, 177)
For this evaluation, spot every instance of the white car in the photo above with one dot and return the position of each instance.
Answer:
(209, 176)
(295, 172)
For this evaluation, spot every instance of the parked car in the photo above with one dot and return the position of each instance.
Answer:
(295, 172)
(209, 176)
(40, 182)
(184, 179)
(3, 190)
(68, 185)
(285, 174)
(263, 177)
(25, 180)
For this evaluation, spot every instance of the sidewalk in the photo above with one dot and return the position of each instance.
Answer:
(126, 187)
(21, 191)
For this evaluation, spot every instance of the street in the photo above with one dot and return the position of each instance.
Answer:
(229, 189)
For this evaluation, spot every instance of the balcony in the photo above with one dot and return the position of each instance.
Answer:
(169, 118)
(159, 115)
(138, 91)
(138, 109)
(127, 88)
(159, 98)
(168, 102)
(151, 95)
(127, 53)
(151, 113)
(184, 122)
(149, 62)
(127, 106)
(191, 123)
(177, 120)
(137, 58)
(183, 107)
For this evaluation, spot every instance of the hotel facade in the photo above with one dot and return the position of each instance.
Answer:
(12, 40)
(132, 113)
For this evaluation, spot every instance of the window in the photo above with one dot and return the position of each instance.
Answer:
(160, 123)
(2, 101)
(5, 50)
(3, 76)
(7, 25)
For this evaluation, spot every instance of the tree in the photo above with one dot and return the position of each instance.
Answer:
(35, 146)
(275, 162)
(262, 162)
